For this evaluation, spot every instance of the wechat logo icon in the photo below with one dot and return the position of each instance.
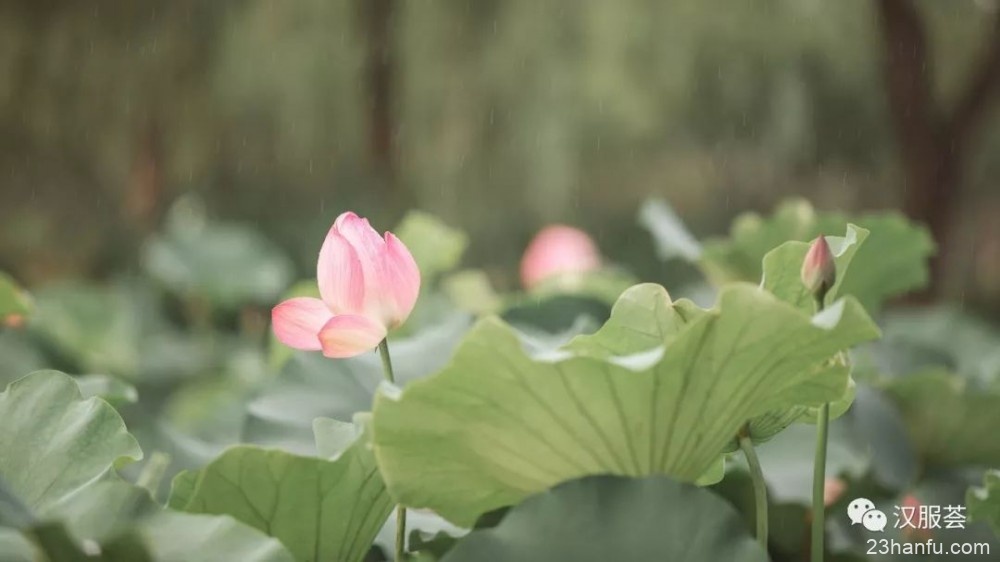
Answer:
(862, 511)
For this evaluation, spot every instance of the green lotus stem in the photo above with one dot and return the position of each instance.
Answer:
(819, 470)
(819, 478)
(383, 351)
(400, 532)
(759, 487)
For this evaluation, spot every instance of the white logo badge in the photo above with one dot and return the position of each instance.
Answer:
(857, 509)
(874, 520)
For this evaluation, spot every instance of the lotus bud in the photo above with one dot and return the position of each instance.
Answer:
(819, 272)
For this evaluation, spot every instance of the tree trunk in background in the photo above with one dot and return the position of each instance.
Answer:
(933, 140)
(377, 16)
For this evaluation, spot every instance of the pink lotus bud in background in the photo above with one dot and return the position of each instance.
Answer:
(558, 250)
(368, 286)
(914, 523)
(833, 488)
(819, 271)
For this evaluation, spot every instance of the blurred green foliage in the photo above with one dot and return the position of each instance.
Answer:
(507, 115)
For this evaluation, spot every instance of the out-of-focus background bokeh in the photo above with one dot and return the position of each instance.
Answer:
(496, 116)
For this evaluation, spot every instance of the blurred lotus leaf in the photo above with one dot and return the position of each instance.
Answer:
(892, 262)
(19, 354)
(497, 425)
(601, 518)
(788, 468)
(110, 389)
(672, 238)
(941, 336)
(984, 502)
(311, 386)
(472, 291)
(436, 247)
(117, 329)
(949, 420)
(222, 264)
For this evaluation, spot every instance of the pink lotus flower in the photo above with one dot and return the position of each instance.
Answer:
(368, 286)
(819, 272)
(558, 250)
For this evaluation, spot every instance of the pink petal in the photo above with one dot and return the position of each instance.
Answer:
(360, 235)
(297, 322)
(399, 283)
(558, 250)
(340, 275)
(368, 246)
(348, 335)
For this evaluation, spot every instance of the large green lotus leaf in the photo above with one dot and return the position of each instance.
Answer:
(892, 261)
(13, 299)
(644, 317)
(949, 423)
(984, 502)
(311, 386)
(603, 518)
(54, 443)
(498, 425)
(319, 509)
